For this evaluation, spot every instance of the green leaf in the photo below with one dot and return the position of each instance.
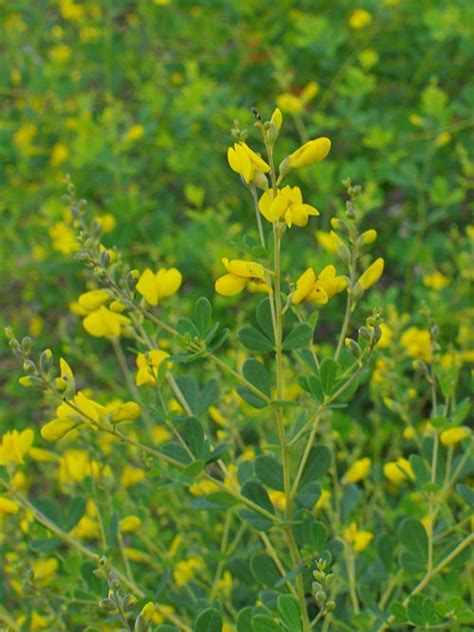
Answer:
(190, 390)
(186, 326)
(420, 469)
(264, 570)
(249, 396)
(51, 509)
(399, 611)
(175, 451)
(314, 385)
(319, 535)
(255, 492)
(309, 495)
(455, 609)
(412, 535)
(317, 464)
(466, 492)
(264, 317)
(264, 623)
(254, 340)
(202, 315)
(74, 512)
(421, 611)
(207, 396)
(300, 336)
(256, 373)
(192, 432)
(327, 374)
(244, 620)
(209, 620)
(94, 583)
(461, 412)
(269, 471)
(290, 612)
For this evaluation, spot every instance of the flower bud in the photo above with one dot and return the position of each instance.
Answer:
(26, 344)
(274, 125)
(45, 360)
(353, 347)
(368, 237)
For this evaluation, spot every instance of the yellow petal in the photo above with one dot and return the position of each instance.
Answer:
(304, 285)
(168, 282)
(148, 287)
(246, 269)
(230, 285)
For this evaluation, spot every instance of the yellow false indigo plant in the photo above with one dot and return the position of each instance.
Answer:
(217, 488)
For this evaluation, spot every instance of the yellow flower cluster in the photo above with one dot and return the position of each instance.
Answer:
(241, 275)
(318, 288)
(15, 446)
(286, 206)
(358, 540)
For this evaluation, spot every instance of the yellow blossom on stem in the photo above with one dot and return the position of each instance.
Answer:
(92, 300)
(129, 524)
(453, 436)
(330, 241)
(148, 364)
(44, 570)
(240, 275)
(185, 570)
(66, 378)
(399, 470)
(248, 164)
(8, 506)
(287, 206)
(103, 323)
(295, 104)
(359, 19)
(359, 540)
(417, 343)
(155, 286)
(358, 471)
(310, 153)
(15, 445)
(318, 288)
(436, 280)
(371, 275)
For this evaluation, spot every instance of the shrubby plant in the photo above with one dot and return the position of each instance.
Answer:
(232, 489)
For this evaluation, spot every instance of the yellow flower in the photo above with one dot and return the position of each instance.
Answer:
(162, 610)
(277, 119)
(216, 415)
(323, 501)
(359, 540)
(23, 137)
(148, 364)
(436, 280)
(107, 222)
(160, 435)
(398, 471)
(88, 526)
(131, 476)
(59, 155)
(90, 301)
(75, 465)
(295, 104)
(417, 343)
(310, 153)
(40, 455)
(103, 323)
(241, 275)
(453, 436)
(63, 238)
(44, 570)
(161, 284)
(248, 164)
(67, 418)
(287, 206)
(60, 54)
(358, 471)
(185, 570)
(127, 411)
(387, 335)
(371, 275)
(203, 488)
(359, 19)
(71, 11)
(290, 103)
(329, 241)
(15, 445)
(319, 289)
(129, 524)
(368, 237)
(8, 506)
(278, 499)
(134, 133)
(225, 584)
